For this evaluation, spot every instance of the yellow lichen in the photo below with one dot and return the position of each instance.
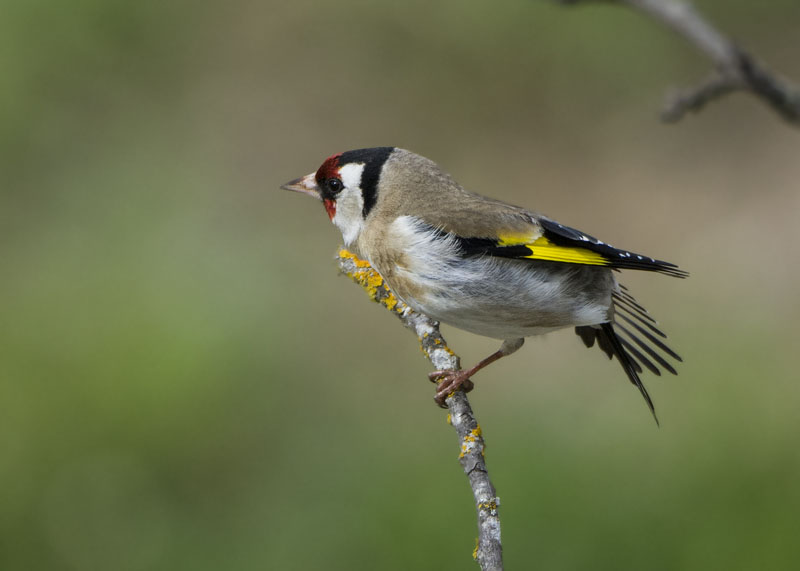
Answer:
(475, 551)
(445, 348)
(469, 441)
(390, 301)
(371, 281)
(359, 263)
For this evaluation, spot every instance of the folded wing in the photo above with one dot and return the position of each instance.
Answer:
(554, 242)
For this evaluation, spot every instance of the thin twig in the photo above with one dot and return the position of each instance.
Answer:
(489, 552)
(734, 68)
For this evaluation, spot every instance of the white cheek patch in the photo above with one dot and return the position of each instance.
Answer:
(350, 203)
(351, 175)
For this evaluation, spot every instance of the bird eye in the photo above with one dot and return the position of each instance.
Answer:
(335, 185)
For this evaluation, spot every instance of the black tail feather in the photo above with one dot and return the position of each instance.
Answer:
(632, 306)
(628, 364)
(647, 349)
(654, 340)
(634, 346)
(639, 357)
(623, 313)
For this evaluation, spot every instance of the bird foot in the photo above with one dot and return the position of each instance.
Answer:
(449, 382)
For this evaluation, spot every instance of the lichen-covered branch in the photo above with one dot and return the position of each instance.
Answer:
(489, 552)
(734, 68)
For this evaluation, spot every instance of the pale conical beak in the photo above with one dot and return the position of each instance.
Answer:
(306, 184)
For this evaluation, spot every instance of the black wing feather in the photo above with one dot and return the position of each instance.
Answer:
(490, 247)
(622, 259)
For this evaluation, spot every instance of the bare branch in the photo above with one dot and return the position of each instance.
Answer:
(680, 101)
(735, 69)
(489, 552)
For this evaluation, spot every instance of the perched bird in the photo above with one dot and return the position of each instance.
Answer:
(485, 266)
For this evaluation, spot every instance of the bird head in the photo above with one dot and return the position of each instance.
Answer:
(347, 185)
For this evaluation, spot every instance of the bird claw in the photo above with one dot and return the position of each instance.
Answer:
(449, 382)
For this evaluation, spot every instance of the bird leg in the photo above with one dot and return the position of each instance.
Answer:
(450, 381)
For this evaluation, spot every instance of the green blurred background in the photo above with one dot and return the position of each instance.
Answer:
(185, 383)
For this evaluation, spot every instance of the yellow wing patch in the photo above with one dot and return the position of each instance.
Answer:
(518, 239)
(544, 249)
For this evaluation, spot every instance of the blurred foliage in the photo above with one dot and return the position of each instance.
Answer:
(185, 383)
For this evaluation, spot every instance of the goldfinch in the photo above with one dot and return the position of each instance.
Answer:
(485, 266)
